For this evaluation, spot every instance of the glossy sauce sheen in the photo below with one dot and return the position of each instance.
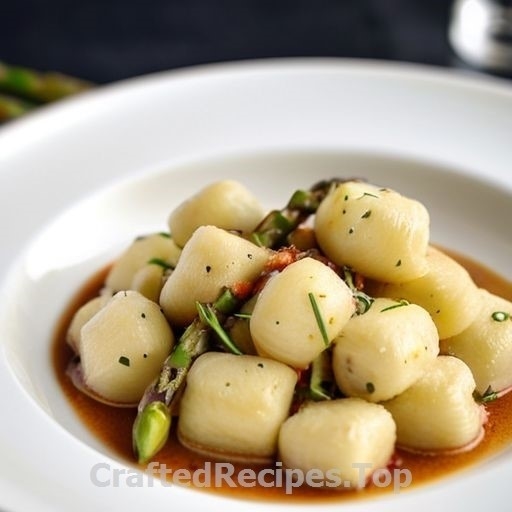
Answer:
(113, 426)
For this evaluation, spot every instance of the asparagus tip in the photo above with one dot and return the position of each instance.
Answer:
(151, 430)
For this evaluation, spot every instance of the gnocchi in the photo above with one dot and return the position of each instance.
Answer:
(486, 344)
(233, 406)
(296, 335)
(379, 354)
(226, 204)
(438, 413)
(446, 291)
(376, 231)
(323, 335)
(122, 347)
(358, 432)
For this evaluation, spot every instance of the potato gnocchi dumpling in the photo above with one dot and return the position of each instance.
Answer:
(122, 347)
(486, 345)
(376, 231)
(233, 406)
(149, 281)
(337, 437)
(379, 354)
(226, 204)
(81, 317)
(155, 247)
(299, 312)
(438, 412)
(446, 291)
(310, 335)
(212, 259)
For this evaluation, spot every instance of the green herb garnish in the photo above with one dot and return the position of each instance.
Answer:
(208, 316)
(399, 304)
(245, 316)
(161, 263)
(488, 396)
(500, 316)
(124, 361)
(319, 319)
(370, 387)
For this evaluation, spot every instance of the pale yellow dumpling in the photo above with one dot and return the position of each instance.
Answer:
(212, 259)
(486, 345)
(123, 346)
(338, 437)
(438, 412)
(233, 406)
(378, 232)
(153, 247)
(379, 354)
(446, 291)
(226, 204)
(299, 312)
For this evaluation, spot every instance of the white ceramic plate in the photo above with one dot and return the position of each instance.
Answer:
(80, 179)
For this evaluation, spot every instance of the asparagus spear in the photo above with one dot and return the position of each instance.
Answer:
(11, 107)
(34, 86)
(153, 422)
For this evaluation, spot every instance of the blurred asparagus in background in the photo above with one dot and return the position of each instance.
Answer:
(23, 89)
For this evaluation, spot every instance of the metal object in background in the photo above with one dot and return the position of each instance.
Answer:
(481, 33)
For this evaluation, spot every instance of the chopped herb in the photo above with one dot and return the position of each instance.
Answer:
(321, 383)
(160, 262)
(488, 396)
(350, 231)
(208, 316)
(260, 365)
(246, 316)
(228, 384)
(368, 194)
(249, 256)
(165, 235)
(344, 212)
(319, 319)
(500, 316)
(366, 214)
(124, 361)
(398, 263)
(399, 304)
(363, 302)
(346, 198)
(143, 315)
(370, 388)
(145, 356)
(208, 269)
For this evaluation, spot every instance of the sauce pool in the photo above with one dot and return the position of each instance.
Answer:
(113, 426)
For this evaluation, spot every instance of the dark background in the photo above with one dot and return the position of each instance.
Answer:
(104, 41)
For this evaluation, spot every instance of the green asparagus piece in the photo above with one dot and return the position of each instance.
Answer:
(321, 383)
(278, 224)
(11, 107)
(149, 430)
(31, 85)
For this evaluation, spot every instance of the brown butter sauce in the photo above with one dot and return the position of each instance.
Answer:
(113, 426)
